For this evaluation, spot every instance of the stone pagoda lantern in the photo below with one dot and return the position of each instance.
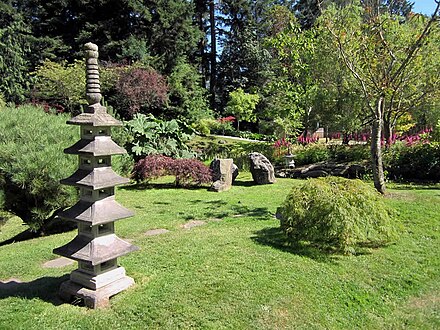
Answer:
(96, 247)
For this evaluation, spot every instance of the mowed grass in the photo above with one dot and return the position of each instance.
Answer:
(236, 272)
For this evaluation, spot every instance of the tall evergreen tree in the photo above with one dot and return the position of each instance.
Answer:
(129, 28)
(14, 49)
(244, 63)
(203, 21)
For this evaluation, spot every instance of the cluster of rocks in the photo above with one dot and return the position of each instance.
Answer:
(225, 171)
(350, 171)
(263, 172)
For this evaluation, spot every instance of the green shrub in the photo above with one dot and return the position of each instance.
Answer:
(350, 153)
(2, 101)
(204, 125)
(222, 127)
(435, 134)
(311, 153)
(337, 213)
(61, 83)
(122, 164)
(32, 162)
(420, 161)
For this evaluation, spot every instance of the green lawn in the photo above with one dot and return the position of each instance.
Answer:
(236, 272)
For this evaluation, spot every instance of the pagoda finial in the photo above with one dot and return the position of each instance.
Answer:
(93, 85)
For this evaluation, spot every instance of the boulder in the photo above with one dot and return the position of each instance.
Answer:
(221, 174)
(318, 173)
(262, 170)
(234, 170)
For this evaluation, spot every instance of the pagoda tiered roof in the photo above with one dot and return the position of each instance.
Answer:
(95, 250)
(96, 213)
(97, 178)
(95, 116)
(99, 146)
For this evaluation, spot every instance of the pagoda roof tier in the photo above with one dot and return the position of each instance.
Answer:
(95, 115)
(99, 146)
(96, 213)
(95, 250)
(97, 178)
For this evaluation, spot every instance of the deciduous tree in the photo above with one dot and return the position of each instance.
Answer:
(381, 58)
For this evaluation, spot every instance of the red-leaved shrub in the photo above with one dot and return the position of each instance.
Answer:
(190, 172)
(151, 167)
(186, 171)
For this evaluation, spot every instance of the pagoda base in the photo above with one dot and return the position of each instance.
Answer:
(95, 282)
(94, 299)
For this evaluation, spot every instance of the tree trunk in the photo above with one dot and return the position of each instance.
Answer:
(213, 77)
(200, 12)
(388, 131)
(376, 148)
(306, 123)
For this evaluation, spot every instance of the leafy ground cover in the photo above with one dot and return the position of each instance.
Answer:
(236, 272)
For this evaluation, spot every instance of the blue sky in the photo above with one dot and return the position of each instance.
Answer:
(424, 6)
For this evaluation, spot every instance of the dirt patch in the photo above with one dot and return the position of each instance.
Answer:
(215, 219)
(193, 223)
(400, 195)
(425, 301)
(154, 232)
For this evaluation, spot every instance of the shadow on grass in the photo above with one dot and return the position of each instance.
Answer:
(23, 236)
(258, 213)
(212, 203)
(276, 238)
(57, 227)
(218, 209)
(148, 186)
(240, 183)
(45, 288)
(414, 186)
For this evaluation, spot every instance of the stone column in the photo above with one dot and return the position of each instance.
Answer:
(96, 247)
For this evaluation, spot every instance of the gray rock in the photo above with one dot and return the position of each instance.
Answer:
(234, 170)
(221, 174)
(262, 170)
(316, 173)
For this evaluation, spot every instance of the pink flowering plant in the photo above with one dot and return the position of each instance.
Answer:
(281, 147)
